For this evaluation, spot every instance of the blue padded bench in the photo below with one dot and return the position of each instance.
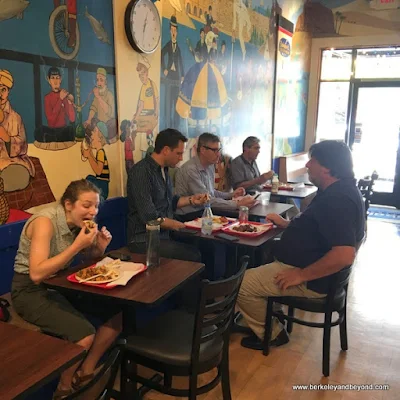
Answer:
(112, 213)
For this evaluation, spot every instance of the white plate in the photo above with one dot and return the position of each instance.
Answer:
(215, 226)
(117, 276)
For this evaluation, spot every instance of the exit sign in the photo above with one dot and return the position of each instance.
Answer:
(384, 4)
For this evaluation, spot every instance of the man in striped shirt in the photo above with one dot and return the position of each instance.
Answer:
(150, 197)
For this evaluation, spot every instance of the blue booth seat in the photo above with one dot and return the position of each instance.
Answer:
(112, 214)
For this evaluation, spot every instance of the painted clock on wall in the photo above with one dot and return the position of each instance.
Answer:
(143, 26)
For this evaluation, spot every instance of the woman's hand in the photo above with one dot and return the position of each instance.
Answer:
(103, 239)
(85, 240)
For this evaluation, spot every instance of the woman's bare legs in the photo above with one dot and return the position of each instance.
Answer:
(104, 338)
(66, 376)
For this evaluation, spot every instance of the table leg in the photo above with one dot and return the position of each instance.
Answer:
(128, 320)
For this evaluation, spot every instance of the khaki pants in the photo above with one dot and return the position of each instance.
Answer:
(258, 284)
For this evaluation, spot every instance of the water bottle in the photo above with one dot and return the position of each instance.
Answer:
(275, 184)
(153, 243)
(207, 220)
(243, 214)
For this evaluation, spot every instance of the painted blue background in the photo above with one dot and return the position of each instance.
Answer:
(31, 35)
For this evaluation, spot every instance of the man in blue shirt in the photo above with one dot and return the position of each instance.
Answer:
(316, 244)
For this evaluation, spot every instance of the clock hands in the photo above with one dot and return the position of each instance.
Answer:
(145, 23)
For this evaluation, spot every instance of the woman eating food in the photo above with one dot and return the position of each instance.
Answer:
(49, 241)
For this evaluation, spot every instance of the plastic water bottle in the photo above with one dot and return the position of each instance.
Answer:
(153, 243)
(275, 184)
(207, 220)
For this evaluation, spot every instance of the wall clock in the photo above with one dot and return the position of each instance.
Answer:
(143, 26)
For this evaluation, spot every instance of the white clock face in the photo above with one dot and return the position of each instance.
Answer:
(146, 25)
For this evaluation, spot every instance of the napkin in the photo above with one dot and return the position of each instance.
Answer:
(127, 271)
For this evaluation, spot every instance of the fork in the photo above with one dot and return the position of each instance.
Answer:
(92, 277)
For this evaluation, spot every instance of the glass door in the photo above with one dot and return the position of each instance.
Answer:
(374, 135)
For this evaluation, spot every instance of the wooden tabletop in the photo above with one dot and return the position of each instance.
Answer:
(148, 288)
(29, 360)
(259, 211)
(300, 192)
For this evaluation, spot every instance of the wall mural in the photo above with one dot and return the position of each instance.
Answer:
(217, 72)
(57, 100)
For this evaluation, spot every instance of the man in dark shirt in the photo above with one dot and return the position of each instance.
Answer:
(150, 197)
(244, 169)
(316, 244)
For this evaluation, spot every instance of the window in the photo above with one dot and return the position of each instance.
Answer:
(332, 110)
(336, 64)
(378, 63)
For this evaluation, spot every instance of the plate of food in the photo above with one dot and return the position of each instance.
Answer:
(248, 229)
(282, 186)
(96, 275)
(218, 223)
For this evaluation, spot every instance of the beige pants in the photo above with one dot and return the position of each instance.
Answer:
(258, 284)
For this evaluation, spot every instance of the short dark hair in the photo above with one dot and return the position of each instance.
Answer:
(168, 137)
(53, 71)
(209, 7)
(250, 141)
(334, 155)
(205, 138)
(202, 30)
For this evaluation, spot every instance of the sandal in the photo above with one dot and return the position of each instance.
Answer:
(79, 381)
(60, 394)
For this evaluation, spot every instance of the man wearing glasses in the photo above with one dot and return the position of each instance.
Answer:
(198, 176)
(244, 168)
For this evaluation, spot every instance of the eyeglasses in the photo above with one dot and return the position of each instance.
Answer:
(218, 150)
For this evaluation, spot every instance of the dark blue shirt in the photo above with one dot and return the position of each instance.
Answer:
(335, 217)
(149, 197)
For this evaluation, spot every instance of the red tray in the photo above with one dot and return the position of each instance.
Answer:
(71, 278)
(228, 229)
(216, 227)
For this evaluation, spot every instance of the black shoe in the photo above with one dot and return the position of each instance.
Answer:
(280, 340)
(252, 342)
(255, 343)
(237, 328)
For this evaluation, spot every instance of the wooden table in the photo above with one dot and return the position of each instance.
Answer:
(258, 211)
(149, 288)
(29, 360)
(300, 191)
(252, 244)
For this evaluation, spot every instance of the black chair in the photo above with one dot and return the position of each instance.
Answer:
(335, 301)
(101, 386)
(182, 344)
(366, 186)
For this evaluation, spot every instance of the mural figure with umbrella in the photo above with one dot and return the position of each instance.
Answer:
(203, 96)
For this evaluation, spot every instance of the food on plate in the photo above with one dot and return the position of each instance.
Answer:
(220, 220)
(89, 224)
(245, 228)
(106, 271)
